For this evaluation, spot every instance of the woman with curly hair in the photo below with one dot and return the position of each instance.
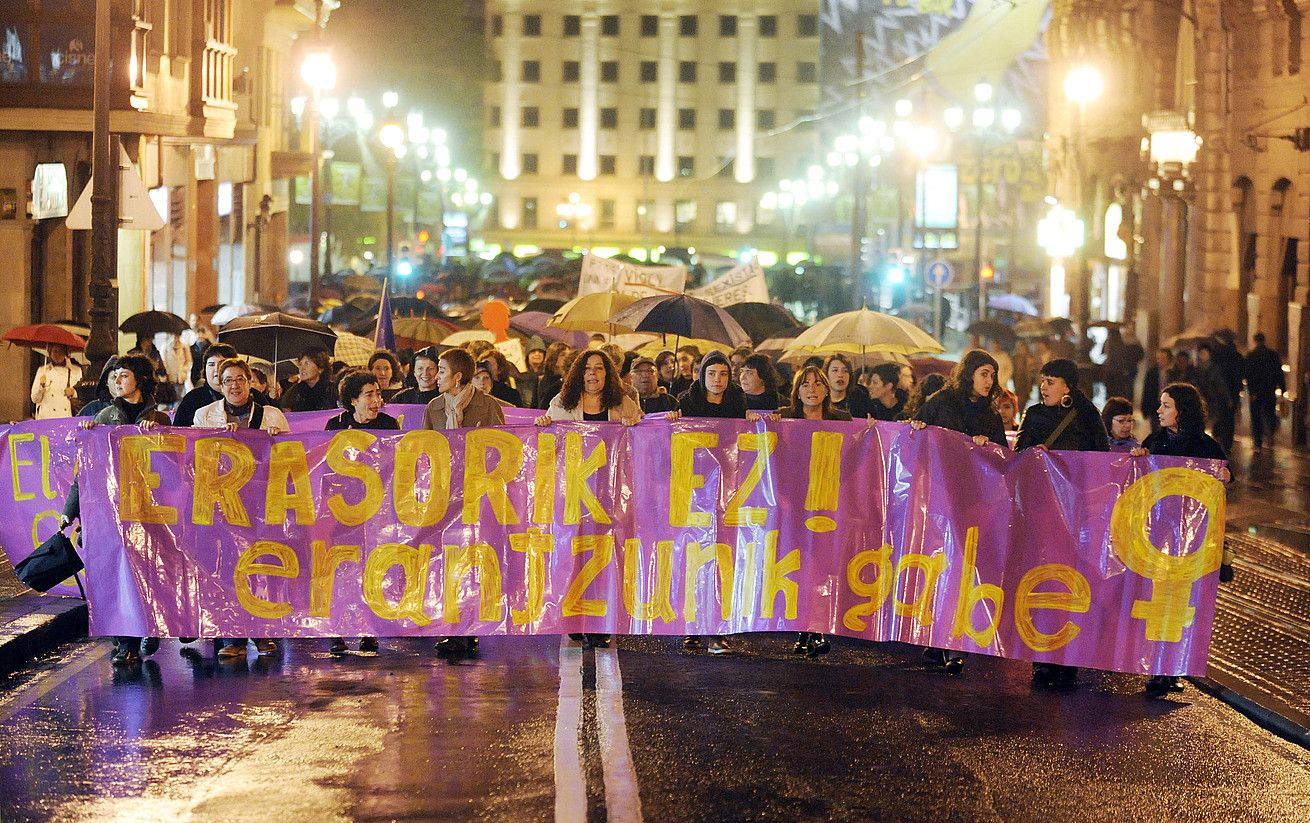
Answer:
(592, 391)
(759, 380)
(926, 388)
(386, 368)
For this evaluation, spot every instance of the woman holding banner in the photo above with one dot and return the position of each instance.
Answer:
(133, 390)
(593, 392)
(1182, 434)
(965, 405)
(361, 397)
(1063, 420)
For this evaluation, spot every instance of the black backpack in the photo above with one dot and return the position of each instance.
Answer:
(53, 562)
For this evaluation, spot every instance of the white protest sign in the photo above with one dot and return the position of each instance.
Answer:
(513, 351)
(741, 284)
(602, 274)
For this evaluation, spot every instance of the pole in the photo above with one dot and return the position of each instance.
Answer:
(327, 218)
(103, 342)
(315, 192)
(391, 211)
(261, 224)
(978, 227)
(858, 182)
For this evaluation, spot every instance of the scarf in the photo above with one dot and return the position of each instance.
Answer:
(456, 404)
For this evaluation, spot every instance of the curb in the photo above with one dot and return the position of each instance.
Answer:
(32, 624)
(1281, 723)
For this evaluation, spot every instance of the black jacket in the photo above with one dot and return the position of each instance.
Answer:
(414, 395)
(300, 396)
(949, 409)
(692, 403)
(1085, 432)
(880, 412)
(346, 420)
(547, 388)
(1264, 371)
(1184, 444)
(794, 413)
(661, 401)
(768, 401)
(856, 401)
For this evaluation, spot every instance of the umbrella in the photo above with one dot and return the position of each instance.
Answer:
(44, 334)
(232, 311)
(346, 313)
(1105, 324)
(994, 329)
(858, 359)
(353, 350)
(413, 307)
(77, 327)
(924, 366)
(1059, 326)
(762, 320)
(857, 332)
(459, 338)
(592, 312)
(780, 342)
(537, 323)
(547, 304)
(361, 282)
(653, 347)
(276, 336)
(1188, 338)
(1012, 303)
(151, 323)
(684, 316)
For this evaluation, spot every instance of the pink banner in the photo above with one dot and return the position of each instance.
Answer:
(694, 527)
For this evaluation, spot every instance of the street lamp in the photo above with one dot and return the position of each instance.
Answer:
(1061, 234)
(320, 75)
(983, 121)
(1170, 150)
(392, 135)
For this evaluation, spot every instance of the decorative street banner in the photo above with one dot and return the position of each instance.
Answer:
(741, 284)
(604, 274)
(690, 527)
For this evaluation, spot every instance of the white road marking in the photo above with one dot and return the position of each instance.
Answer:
(622, 799)
(570, 788)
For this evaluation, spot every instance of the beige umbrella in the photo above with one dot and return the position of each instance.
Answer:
(591, 312)
(858, 360)
(863, 331)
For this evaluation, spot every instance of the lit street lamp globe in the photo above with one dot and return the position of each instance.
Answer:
(318, 71)
(1083, 84)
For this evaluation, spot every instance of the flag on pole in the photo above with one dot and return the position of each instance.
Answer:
(385, 337)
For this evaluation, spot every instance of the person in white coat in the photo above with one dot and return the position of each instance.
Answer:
(177, 362)
(53, 390)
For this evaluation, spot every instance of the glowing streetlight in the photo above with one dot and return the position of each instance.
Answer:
(1084, 84)
(390, 99)
(318, 71)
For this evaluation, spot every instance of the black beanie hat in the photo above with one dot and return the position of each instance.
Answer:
(714, 356)
(1064, 368)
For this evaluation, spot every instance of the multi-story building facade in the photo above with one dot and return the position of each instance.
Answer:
(198, 100)
(1221, 239)
(634, 125)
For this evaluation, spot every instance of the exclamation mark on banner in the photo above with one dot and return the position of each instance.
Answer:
(825, 479)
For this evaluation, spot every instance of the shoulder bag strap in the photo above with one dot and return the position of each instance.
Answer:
(257, 416)
(1059, 430)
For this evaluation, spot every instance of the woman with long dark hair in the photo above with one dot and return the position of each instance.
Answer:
(1063, 420)
(552, 374)
(847, 394)
(1182, 434)
(759, 380)
(965, 405)
(390, 376)
(920, 392)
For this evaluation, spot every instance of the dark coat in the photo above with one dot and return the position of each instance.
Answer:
(767, 401)
(856, 401)
(692, 403)
(660, 401)
(949, 409)
(1085, 433)
(795, 413)
(547, 388)
(1184, 444)
(302, 397)
(1264, 371)
(346, 420)
(414, 395)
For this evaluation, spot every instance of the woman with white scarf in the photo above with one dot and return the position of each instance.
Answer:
(53, 389)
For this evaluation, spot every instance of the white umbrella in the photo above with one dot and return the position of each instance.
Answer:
(863, 331)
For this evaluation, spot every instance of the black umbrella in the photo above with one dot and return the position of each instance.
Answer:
(345, 313)
(547, 304)
(414, 307)
(994, 329)
(154, 322)
(683, 316)
(276, 336)
(762, 320)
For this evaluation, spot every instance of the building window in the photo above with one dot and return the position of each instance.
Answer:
(495, 117)
(645, 215)
(531, 117)
(529, 163)
(609, 25)
(646, 119)
(687, 25)
(687, 72)
(684, 214)
(532, 25)
(570, 164)
(765, 118)
(686, 166)
(570, 118)
(650, 71)
(650, 25)
(727, 25)
(725, 216)
(765, 168)
(572, 25)
(606, 214)
(686, 118)
(807, 25)
(609, 118)
(727, 72)
(529, 212)
(608, 164)
(497, 26)
(531, 71)
(727, 119)
(646, 165)
(768, 25)
(768, 72)
(609, 71)
(807, 72)
(571, 71)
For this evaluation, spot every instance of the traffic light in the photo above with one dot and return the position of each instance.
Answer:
(404, 268)
(987, 273)
(423, 236)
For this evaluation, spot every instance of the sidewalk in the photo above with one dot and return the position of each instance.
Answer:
(31, 624)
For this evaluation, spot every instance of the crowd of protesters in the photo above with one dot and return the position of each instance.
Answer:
(470, 386)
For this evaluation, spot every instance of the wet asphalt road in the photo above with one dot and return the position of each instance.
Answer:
(647, 732)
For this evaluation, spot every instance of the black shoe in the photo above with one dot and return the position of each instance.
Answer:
(337, 646)
(692, 643)
(954, 666)
(579, 638)
(449, 646)
(1160, 685)
(819, 645)
(1043, 677)
(598, 641)
(185, 640)
(471, 646)
(802, 644)
(149, 645)
(126, 656)
(368, 644)
(935, 657)
(1066, 677)
(719, 645)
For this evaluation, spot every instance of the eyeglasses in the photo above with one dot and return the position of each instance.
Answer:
(235, 381)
